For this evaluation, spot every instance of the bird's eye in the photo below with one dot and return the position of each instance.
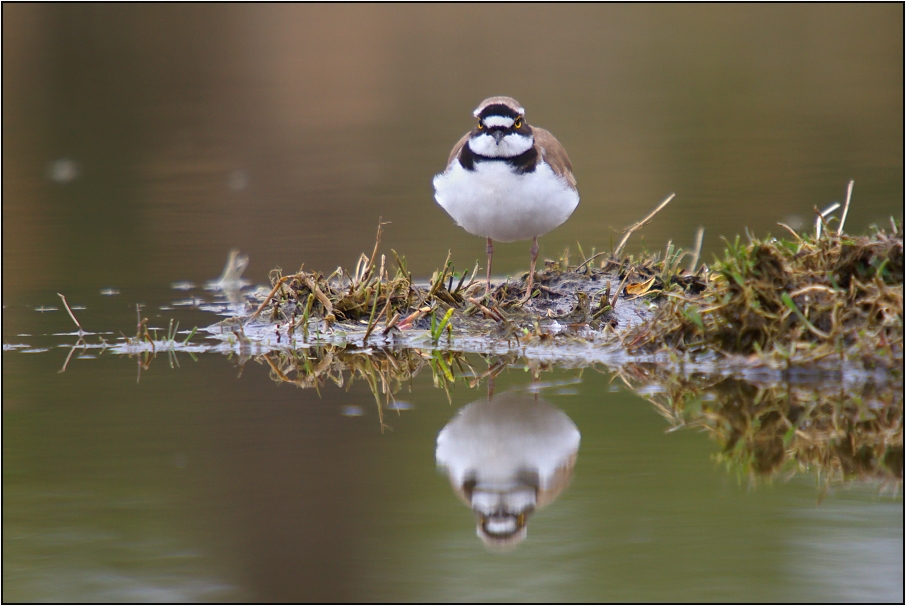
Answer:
(480, 125)
(518, 122)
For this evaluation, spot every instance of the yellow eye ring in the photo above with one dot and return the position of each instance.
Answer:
(480, 125)
(518, 122)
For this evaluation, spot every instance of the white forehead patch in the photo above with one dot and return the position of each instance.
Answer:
(509, 147)
(480, 108)
(492, 121)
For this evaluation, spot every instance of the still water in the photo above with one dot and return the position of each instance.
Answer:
(141, 143)
(200, 484)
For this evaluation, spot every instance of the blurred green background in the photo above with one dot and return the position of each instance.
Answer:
(143, 141)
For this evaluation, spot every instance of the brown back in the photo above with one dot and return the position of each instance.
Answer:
(554, 154)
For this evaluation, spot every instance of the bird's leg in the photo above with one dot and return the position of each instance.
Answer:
(490, 254)
(531, 273)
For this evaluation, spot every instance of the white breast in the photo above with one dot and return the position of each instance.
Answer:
(494, 202)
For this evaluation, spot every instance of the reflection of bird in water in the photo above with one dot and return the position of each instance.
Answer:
(505, 457)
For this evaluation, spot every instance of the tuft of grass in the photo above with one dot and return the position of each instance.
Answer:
(437, 328)
(804, 299)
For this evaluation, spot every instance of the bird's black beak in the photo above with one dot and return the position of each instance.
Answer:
(498, 134)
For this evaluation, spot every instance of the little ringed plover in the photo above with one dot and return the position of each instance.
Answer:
(506, 180)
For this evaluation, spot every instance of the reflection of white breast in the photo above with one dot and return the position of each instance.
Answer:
(495, 442)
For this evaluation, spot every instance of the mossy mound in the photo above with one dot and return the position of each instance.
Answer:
(803, 300)
(826, 300)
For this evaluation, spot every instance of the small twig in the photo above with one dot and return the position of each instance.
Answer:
(613, 301)
(138, 328)
(415, 315)
(636, 226)
(313, 287)
(147, 336)
(267, 299)
(391, 323)
(490, 313)
(674, 295)
(791, 230)
(699, 237)
(440, 279)
(71, 351)
(820, 219)
(475, 271)
(849, 195)
(544, 288)
(71, 315)
(275, 369)
(377, 242)
(819, 287)
(589, 260)
(462, 280)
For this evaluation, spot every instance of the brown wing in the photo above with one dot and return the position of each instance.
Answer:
(554, 154)
(458, 148)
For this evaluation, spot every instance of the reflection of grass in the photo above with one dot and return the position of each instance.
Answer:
(143, 345)
(386, 372)
(852, 432)
(765, 429)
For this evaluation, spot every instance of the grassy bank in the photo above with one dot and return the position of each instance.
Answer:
(821, 299)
